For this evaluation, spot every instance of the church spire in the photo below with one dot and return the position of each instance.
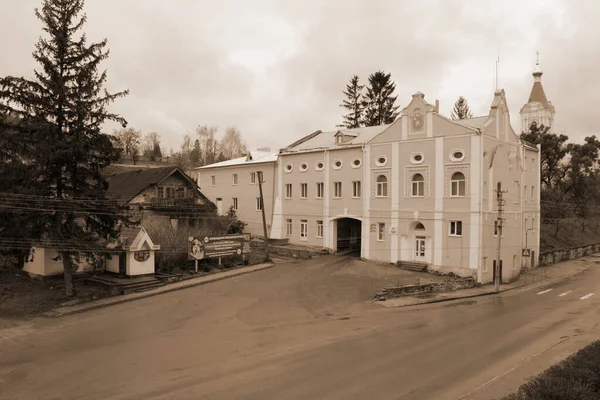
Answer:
(538, 109)
(537, 91)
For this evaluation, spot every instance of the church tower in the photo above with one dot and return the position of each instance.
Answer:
(538, 108)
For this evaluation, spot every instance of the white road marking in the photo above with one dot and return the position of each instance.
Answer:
(587, 296)
(565, 293)
(545, 291)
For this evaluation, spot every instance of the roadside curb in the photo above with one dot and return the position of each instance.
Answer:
(110, 301)
(488, 293)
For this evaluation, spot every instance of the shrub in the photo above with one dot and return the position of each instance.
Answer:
(576, 378)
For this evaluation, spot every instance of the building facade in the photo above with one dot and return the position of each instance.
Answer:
(422, 190)
(234, 183)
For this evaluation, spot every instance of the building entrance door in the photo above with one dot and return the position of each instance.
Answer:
(420, 248)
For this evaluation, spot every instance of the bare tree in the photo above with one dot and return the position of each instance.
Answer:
(152, 145)
(129, 142)
(208, 144)
(232, 144)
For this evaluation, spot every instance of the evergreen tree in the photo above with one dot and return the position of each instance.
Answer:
(380, 108)
(196, 153)
(353, 103)
(69, 98)
(461, 109)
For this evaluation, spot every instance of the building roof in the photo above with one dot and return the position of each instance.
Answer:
(124, 187)
(253, 157)
(538, 94)
(326, 140)
(476, 122)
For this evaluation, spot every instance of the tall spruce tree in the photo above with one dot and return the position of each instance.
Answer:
(353, 103)
(379, 100)
(68, 97)
(461, 109)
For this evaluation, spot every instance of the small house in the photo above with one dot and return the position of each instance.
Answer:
(134, 254)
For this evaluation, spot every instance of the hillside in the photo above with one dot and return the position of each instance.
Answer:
(570, 234)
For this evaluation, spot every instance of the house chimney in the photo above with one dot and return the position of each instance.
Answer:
(265, 149)
(437, 106)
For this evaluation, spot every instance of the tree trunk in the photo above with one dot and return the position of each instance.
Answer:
(68, 272)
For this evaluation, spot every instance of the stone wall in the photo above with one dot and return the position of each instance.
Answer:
(553, 257)
(416, 290)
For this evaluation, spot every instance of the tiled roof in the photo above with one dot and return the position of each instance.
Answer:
(123, 187)
(129, 233)
(253, 157)
(324, 140)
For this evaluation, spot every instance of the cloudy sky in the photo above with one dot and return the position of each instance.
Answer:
(276, 68)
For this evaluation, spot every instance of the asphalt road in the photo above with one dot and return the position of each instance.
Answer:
(299, 331)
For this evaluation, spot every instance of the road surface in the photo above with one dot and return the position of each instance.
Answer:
(300, 331)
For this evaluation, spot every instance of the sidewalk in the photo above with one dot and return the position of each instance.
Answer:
(541, 275)
(61, 311)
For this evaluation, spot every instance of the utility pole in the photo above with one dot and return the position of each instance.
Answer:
(262, 207)
(499, 220)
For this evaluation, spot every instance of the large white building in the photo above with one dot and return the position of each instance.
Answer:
(420, 190)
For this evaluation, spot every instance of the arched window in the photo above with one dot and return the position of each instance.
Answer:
(381, 186)
(419, 227)
(458, 185)
(418, 185)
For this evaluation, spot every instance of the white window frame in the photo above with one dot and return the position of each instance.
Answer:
(259, 204)
(379, 163)
(289, 227)
(320, 190)
(413, 159)
(457, 159)
(303, 190)
(337, 194)
(234, 202)
(415, 184)
(288, 168)
(456, 183)
(334, 166)
(319, 229)
(213, 180)
(356, 189)
(353, 165)
(234, 179)
(533, 193)
(303, 167)
(288, 191)
(455, 228)
(252, 178)
(303, 229)
(381, 187)
(381, 231)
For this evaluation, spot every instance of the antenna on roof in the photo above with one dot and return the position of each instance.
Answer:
(497, 62)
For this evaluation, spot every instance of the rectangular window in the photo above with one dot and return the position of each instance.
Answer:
(234, 179)
(252, 178)
(161, 192)
(212, 180)
(485, 264)
(180, 194)
(356, 189)
(418, 185)
(259, 204)
(337, 190)
(168, 192)
(303, 229)
(288, 190)
(496, 229)
(533, 193)
(304, 190)
(235, 203)
(458, 185)
(320, 190)
(532, 223)
(381, 186)
(319, 229)
(455, 228)
(533, 164)
(525, 193)
(525, 164)
(288, 227)
(380, 231)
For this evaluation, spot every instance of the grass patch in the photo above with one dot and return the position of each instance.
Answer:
(576, 378)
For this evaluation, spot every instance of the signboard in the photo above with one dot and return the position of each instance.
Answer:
(526, 253)
(219, 246)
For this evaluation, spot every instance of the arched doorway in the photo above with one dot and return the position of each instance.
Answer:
(420, 243)
(348, 234)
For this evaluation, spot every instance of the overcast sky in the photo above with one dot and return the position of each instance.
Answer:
(276, 68)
